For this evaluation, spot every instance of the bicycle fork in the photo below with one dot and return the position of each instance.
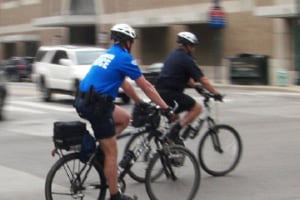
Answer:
(213, 132)
(166, 162)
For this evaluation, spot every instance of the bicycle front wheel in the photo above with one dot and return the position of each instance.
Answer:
(180, 178)
(220, 150)
(69, 178)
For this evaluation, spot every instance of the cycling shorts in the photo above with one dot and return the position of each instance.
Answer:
(102, 122)
(184, 101)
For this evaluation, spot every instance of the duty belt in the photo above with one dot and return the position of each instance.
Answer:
(94, 96)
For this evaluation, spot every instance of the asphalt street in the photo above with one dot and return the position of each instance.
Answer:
(267, 119)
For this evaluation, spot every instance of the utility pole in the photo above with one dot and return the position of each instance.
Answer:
(217, 22)
(297, 40)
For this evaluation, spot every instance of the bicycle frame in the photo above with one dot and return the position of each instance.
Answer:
(138, 149)
(205, 116)
(193, 131)
(77, 180)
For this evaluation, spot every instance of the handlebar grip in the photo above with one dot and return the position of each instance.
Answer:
(199, 89)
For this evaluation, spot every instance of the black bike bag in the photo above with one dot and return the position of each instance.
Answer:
(68, 135)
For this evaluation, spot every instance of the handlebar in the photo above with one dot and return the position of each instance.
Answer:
(207, 95)
(203, 92)
(153, 110)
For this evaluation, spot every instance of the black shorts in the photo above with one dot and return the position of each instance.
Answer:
(184, 101)
(102, 123)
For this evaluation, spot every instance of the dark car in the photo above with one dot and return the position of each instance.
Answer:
(152, 71)
(18, 68)
(3, 92)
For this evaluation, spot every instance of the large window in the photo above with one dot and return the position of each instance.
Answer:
(8, 4)
(82, 7)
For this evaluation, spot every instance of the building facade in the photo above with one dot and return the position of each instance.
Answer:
(258, 27)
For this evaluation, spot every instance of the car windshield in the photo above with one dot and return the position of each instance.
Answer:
(156, 67)
(87, 57)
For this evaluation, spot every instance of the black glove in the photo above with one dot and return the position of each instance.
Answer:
(199, 89)
(168, 113)
(218, 97)
(144, 105)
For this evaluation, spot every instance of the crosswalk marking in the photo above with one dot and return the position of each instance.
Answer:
(35, 107)
(21, 109)
(17, 184)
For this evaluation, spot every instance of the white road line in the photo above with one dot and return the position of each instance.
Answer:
(21, 109)
(16, 184)
(40, 106)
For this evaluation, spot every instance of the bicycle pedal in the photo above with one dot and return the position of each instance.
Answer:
(192, 136)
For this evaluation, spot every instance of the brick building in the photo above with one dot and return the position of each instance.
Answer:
(260, 27)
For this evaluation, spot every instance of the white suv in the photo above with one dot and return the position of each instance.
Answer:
(59, 69)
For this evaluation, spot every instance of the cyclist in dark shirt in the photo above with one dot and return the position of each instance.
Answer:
(180, 70)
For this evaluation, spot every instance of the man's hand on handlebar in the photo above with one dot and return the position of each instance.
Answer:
(169, 113)
(218, 97)
(199, 89)
(202, 91)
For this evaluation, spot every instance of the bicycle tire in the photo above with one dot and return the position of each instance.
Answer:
(218, 163)
(184, 185)
(138, 171)
(59, 184)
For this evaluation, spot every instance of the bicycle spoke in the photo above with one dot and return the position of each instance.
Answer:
(179, 175)
(220, 150)
(65, 180)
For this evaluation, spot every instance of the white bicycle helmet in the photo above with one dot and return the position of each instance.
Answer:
(122, 32)
(187, 38)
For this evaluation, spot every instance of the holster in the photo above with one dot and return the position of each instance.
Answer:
(92, 97)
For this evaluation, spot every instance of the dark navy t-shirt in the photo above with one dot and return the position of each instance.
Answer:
(109, 71)
(178, 68)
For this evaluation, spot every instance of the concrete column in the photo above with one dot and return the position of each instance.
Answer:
(282, 49)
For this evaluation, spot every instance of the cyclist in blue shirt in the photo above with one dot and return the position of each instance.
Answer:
(99, 88)
(180, 70)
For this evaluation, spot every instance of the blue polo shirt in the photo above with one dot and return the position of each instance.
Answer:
(109, 71)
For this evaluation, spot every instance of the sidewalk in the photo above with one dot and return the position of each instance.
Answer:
(290, 88)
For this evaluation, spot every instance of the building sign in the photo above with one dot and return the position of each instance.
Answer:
(103, 38)
(216, 17)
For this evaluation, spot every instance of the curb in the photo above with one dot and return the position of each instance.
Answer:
(290, 88)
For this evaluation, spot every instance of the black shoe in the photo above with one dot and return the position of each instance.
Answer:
(177, 140)
(120, 196)
(174, 134)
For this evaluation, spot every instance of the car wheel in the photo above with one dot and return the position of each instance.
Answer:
(46, 93)
(9, 76)
(76, 86)
(1, 106)
(1, 115)
(14, 77)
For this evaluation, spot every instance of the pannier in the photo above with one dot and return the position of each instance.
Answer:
(68, 135)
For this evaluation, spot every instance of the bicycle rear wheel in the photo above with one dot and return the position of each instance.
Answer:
(220, 150)
(69, 178)
(180, 178)
(138, 170)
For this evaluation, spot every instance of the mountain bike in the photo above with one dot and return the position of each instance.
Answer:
(219, 149)
(71, 177)
(163, 166)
